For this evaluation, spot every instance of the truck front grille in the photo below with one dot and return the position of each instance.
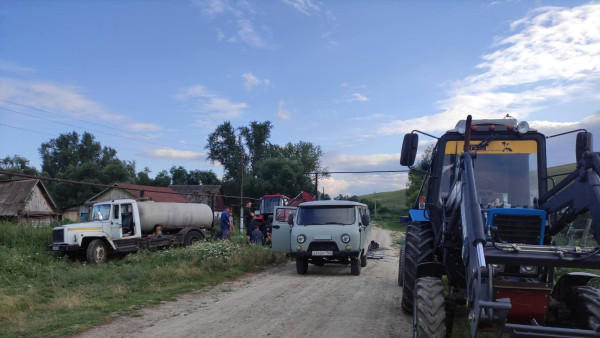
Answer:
(523, 229)
(58, 235)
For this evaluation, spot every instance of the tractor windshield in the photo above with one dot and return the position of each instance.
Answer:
(506, 172)
(269, 203)
(326, 215)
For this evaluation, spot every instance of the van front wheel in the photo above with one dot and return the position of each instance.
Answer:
(301, 265)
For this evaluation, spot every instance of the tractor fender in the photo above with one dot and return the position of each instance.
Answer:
(569, 280)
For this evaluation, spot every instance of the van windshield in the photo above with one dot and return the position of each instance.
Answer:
(326, 215)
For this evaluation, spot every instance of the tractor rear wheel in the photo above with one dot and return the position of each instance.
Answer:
(401, 266)
(429, 314)
(584, 303)
(419, 249)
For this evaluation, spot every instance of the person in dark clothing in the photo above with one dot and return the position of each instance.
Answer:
(248, 218)
(256, 236)
(225, 223)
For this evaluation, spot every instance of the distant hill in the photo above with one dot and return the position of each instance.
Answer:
(395, 201)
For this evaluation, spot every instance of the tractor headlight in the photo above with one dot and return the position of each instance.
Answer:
(523, 127)
(528, 269)
(345, 238)
(461, 127)
(498, 267)
(301, 239)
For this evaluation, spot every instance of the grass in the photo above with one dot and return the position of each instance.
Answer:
(46, 295)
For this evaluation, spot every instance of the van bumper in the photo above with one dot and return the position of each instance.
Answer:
(351, 253)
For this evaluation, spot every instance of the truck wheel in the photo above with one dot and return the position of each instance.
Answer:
(301, 265)
(97, 252)
(363, 260)
(419, 249)
(355, 266)
(429, 314)
(584, 302)
(401, 266)
(192, 237)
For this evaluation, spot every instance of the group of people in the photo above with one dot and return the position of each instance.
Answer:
(253, 233)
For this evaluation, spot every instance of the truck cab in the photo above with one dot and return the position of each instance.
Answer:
(323, 232)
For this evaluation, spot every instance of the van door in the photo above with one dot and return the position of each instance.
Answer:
(280, 236)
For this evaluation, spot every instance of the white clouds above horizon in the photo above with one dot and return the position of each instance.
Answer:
(552, 56)
(358, 97)
(282, 113)
(170, 153)
(306, 7)
(220, 107)
(251, 81)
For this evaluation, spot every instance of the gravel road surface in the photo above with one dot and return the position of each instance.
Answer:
(326, 302)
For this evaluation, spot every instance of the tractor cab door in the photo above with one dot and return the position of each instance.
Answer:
(281, 235)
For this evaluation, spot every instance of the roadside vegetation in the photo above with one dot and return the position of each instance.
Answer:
(46, 295)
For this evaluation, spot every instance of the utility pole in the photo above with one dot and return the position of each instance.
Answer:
(241, 183)
(375, 208)
(316, 185)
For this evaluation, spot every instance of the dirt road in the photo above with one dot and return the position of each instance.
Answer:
(326, 302)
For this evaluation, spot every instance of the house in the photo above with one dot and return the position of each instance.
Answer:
(27, 201)
(76, 213)
(207, 194)
(127, 190)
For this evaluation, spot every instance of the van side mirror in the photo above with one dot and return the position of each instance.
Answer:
(365, 220)
(409, 149)
(290, 219)
(583, 144)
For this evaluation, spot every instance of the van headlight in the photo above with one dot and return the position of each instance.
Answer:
(301, 239)
(345, 238)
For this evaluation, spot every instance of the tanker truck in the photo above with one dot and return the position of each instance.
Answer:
(127, 225)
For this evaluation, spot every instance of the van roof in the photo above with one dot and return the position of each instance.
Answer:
(330, 203)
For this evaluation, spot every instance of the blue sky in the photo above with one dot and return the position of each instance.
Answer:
(152, 79)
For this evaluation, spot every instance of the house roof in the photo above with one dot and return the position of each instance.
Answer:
(14, 195)
(197, 189)
(157, 194)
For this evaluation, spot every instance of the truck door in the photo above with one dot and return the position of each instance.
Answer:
(115, 223)
(281, 229)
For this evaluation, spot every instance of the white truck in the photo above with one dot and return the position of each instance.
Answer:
(129, 225)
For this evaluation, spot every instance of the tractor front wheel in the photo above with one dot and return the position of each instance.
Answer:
(429, 314)
(419, 249)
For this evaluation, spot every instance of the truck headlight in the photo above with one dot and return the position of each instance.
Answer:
(301, 239)
(345, 238)
(498, 267)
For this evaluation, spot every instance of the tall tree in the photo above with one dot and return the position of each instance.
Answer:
(256, 137)
(17, 164)
(223, 147)
(203, 177)
(179, 175)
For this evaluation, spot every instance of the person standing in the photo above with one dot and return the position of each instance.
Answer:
(225, 223)
(248, 219)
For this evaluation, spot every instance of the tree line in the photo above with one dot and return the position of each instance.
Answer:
(250, 162)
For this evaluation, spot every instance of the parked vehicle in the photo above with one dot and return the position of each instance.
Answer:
(323, 232)
(129, 225)
(486, 217)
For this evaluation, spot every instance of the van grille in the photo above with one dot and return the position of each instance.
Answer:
(523, 229)
(58, 235)
(322, 246)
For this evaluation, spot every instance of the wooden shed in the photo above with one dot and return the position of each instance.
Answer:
(27, 201)
(211, 195)
(127, 190)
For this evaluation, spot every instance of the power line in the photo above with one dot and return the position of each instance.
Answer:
(84, 121)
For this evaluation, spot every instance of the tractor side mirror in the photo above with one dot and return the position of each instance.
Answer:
(409, 149)
(583, 144)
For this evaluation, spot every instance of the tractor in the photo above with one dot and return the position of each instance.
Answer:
(485, 233)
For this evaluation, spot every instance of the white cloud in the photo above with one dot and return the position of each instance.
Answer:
(358, 97)
(166, 152)
(10, 67)
(144, 127)
(306, 7)
(213, 103)
(282, 113)
(56, 98)
(552, 56)
(251, 81)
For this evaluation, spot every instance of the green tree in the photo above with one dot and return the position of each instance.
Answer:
(162, 179)
(256, 138)
(70, 157)
(179, 175)
(223, 147)
(203, 177)
(17, 164)
(143, 177)
(415, 178)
